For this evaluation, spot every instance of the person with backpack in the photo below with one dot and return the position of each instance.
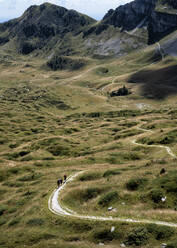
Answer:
(59, 182)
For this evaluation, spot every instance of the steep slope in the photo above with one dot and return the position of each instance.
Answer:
(49, 29)
(143, 14)
(42, 26)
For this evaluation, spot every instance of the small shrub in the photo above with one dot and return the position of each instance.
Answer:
(103, 70)
(38, 164)
(72, 239)
(2, 221)
(2, 192)
(160, 232)
(111, 173)
(156, 195)
(23, 153)
(35, 222)
(89, 177)
(169, 182)
(108, 198)
(138, 237)
(30, 177)
(58, 150)
(14, 222)
(12, 210)
(103, 235)
(135, 183)
(14, 170)
(172, 244)
(13, 146)
(27, 158)
(3, 208)
(111, 160)
(3, 175)
(21, 202)
(91, 193)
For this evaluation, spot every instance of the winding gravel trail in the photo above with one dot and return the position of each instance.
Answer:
(54, 203)
(167, 148)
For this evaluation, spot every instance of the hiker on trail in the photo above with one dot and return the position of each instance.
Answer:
(163, 171)
(65, 178)
(59, 182)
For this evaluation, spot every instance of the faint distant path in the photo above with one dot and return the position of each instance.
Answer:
(54, 205)
(167, 148)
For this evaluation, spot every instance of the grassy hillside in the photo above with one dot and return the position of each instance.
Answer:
(63, 121)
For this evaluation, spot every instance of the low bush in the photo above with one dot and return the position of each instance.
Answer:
(111, 173)
(160, 232)
(90, 176)
(12, 210)
(2, 192)
(138, 236)
(2, 221)
(169, 182)
(91, 193)
(108, 198)
(14, 170)
(135, 183)
(14, 222)
(102, 70)
(103, 235)
(30, 177)
(172, 244)
(156, 195)
(3, 208)
(35, 222)
(3, 175)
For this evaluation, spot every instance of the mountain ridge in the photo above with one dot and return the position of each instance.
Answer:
(48, 27)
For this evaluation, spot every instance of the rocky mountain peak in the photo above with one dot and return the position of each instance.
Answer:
(143, 13)
(41, 24)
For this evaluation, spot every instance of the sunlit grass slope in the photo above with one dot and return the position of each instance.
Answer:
(59, 122)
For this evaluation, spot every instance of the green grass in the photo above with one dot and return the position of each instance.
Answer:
(54, 123)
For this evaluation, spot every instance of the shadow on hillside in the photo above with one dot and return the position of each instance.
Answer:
(156, 84)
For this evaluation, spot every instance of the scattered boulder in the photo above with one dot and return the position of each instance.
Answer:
(122, 245)
(101, 244)
(112, 228)
(164, 199)
(110, 208)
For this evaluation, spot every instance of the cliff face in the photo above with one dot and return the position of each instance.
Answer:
(130, 15)
(160, 25)
(142, 13)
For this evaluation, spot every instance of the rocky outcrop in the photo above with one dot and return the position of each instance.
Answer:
(160, 25)
(130, 15)
(142, 13)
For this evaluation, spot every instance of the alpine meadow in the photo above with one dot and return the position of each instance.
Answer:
(88, 123)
